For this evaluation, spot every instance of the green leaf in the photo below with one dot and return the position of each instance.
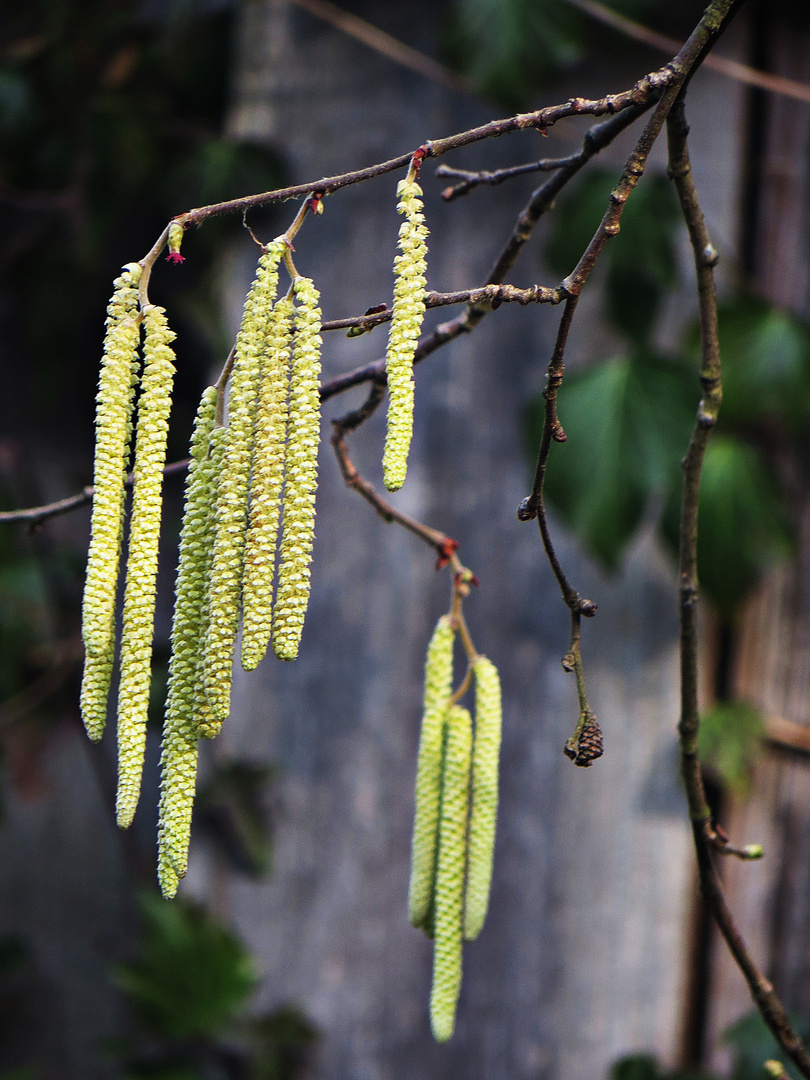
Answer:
(279, 1043)
(766, 364)
(752, 1044)
(635, 1067)
(743, 524)
(231, 807)
(641, 261)
(193, 975)
(730, 742)
(627, 422)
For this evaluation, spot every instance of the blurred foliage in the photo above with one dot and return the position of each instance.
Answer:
(730, 743)
(646, 1067)
(627, 421)
(112, 119)
(751, 1044)
(189, 989)
(513, 48)
(640, 264)
(231, 807)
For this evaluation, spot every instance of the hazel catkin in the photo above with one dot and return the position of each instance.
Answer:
(406, 323)
(265, 488)
(178, 763)
(116, 391)
(484, 809)
(449, 894)
(154, 405)
(438, 687)
(232, 495)
(301, 474)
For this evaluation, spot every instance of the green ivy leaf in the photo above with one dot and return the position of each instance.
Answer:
(730, 742)
(752, 1043)
(766, 364)
(628, 422)
(743, 525)
(641, 261)
(193, 975)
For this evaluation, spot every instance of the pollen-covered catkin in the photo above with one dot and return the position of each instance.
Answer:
(301, 474)
(178, 763)
(116, 392)
(438, 687)
(265, 488)
(450, 865)
(484, 810)
(406, 322)
(232, 498)
(154, 405)
(206, 723)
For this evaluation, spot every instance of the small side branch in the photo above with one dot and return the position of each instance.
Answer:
(472, 179)
(706, 837)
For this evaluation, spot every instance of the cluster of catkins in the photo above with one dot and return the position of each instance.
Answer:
(456, 811)
(246, 477)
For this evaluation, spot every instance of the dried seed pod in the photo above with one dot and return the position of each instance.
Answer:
(403, 335)
(438, 688)
(450, 866)
(178, 761)
(301, 475)
(154, 405)
(586, 744)
(116, 391)
(232, 497)
(265, 489)
(484, 809)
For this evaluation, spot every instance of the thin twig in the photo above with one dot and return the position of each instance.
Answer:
(705, 835)
(470, 180)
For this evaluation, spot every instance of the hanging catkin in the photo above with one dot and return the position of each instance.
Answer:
(301, 475)
(178, 763)
(206, 723)
(265, 488)
(406, 322)
(232, 498)
(484, 810)
(139, 597)
(449, 893)
(116, 391)
(438, 687)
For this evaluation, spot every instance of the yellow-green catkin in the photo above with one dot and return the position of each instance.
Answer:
(232, 497)
(409, 309)
(206, 723)
(265, 488)
(484, 810)
(116, 391)
(178, 763)
(154, 406)
(449, 895)
(438, 688)
(301, 474)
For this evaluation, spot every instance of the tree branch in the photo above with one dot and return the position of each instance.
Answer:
(705, 835)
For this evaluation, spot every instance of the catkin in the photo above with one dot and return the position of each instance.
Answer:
(406, 322)
(450, 874)
(205, 722)
(139, 597)
(438, 687)
(484, 809)
(178, 763)
(232, 498)
(116, 391)
(301, 475)
(265, 489)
